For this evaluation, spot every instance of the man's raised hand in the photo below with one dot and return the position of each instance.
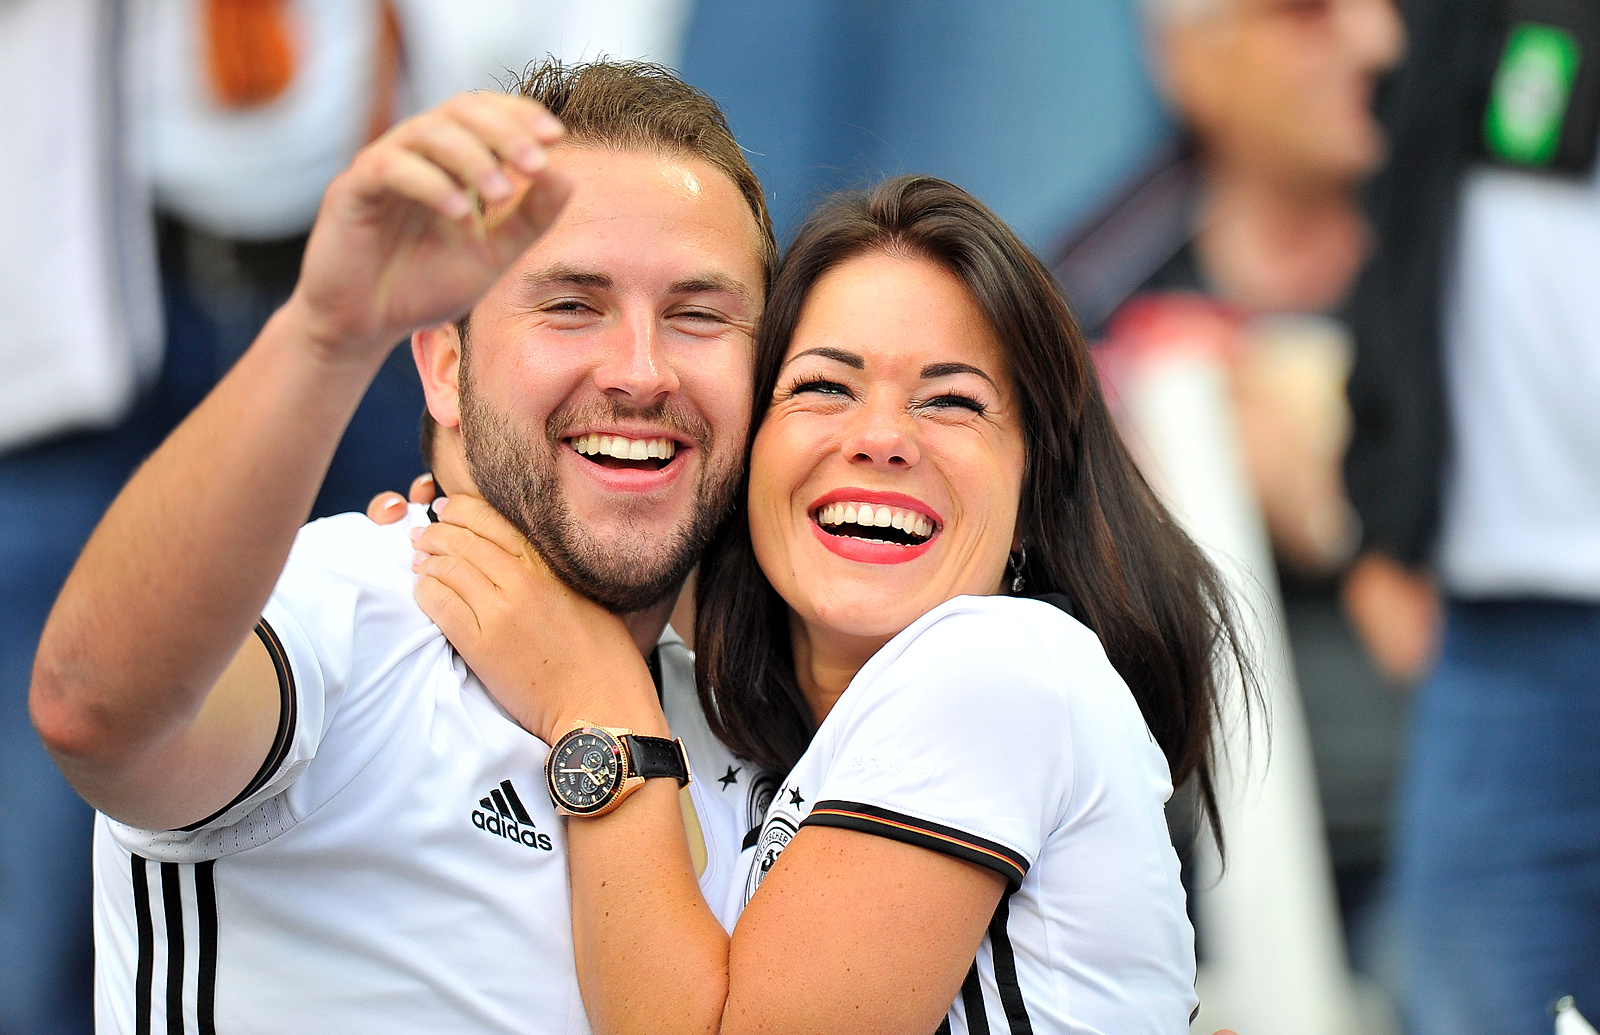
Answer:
(402, 241)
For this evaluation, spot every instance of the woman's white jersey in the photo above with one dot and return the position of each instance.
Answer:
(994, 730)
(397, 865)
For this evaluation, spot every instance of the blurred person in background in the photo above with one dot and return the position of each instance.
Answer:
(1475, 465)
(249, 109)
(80, 339)
(1248, 230)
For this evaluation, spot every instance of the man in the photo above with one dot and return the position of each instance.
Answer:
(313, 815)
(1475, 465)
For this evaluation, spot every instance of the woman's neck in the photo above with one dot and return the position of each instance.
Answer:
(825, 661)
(1279, 246)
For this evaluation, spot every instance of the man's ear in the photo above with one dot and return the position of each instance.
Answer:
(437, 351)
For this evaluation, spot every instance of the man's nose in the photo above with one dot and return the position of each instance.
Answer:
(882, 437)
(635, 366)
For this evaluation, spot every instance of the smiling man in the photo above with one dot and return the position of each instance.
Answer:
(313, 816)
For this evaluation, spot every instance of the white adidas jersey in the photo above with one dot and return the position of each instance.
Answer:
(994, 730)
(397, 866)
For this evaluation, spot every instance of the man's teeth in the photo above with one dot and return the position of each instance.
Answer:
(625, 448)
(876, 517)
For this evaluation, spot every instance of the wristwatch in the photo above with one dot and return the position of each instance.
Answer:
(591, 769)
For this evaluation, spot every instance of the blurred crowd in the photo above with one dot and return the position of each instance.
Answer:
(1381, 219)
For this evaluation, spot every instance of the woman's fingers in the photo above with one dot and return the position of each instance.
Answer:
(422, 489)
(453, 615)
(462, 575)
(386, 508)
(477, 517)
(503, 570)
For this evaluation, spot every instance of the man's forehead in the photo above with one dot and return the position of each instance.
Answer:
(672, 219)
(564, 273)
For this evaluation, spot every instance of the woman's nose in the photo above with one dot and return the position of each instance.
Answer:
(881, 438)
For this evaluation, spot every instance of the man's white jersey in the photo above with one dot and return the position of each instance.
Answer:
(994, 730)
(397, 865)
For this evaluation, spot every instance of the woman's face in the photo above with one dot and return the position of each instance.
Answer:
(886, 476)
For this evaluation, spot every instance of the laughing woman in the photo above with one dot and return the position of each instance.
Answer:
(954, 624)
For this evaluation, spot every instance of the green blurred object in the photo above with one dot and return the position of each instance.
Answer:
(1532, 88)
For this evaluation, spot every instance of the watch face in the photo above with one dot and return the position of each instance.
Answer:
(585, 770)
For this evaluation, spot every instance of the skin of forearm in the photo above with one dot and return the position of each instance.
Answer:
(175, 576)
(655, 891)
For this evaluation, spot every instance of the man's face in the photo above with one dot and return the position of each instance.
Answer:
(605, 385)
(1285, 86)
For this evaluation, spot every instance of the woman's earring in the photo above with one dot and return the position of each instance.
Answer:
(1015, 563)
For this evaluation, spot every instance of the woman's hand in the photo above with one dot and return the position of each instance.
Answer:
(388, 507)
(550, 656)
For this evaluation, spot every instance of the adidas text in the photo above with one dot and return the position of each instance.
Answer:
(510, 831)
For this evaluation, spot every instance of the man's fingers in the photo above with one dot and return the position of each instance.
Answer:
(422, 489)
(413, 177)
(516, 227)
(461, 154)
(386, 508)
(508, 131)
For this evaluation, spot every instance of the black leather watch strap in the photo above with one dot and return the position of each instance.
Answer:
(657, 756)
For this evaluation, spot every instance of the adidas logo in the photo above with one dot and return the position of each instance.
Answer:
(503, 814)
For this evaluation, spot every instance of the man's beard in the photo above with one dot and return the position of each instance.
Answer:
(517, 476)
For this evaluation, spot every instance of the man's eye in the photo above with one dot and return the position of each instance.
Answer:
(569, 305)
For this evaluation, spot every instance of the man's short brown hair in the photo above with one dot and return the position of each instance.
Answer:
(637, 106)
(642, 106)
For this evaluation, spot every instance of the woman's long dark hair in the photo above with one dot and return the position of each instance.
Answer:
(1094, 531)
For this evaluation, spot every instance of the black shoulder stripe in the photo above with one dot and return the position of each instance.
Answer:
(751, 836)
(288, 715)
(871, 819)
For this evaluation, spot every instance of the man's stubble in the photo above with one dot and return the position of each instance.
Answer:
(516, 473)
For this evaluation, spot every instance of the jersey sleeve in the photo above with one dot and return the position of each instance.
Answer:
(307, 628)
(960, 745)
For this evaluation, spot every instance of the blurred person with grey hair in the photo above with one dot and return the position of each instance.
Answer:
(1252, 220)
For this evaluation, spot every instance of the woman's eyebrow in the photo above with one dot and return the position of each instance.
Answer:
(933, 370)
(849, 359)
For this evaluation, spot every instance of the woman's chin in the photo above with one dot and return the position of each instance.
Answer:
(867, 614)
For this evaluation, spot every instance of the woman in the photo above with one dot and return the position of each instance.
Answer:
(969, 820)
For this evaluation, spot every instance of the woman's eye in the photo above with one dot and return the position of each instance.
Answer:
(952, 400)
(820, 386)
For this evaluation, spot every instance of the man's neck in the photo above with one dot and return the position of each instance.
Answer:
(1275, 244)
(646, 626)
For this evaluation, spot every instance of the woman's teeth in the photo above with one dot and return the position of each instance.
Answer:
(625, 448)
(869, 516)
